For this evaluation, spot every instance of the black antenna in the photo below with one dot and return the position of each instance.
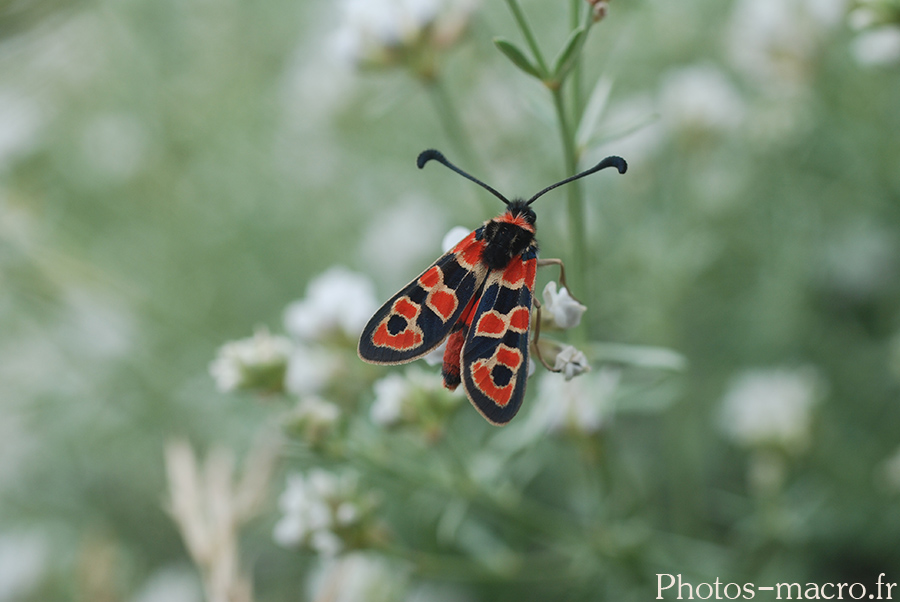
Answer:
(427, 155)
(613, 161)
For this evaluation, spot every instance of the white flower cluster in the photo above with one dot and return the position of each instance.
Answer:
(337, 302)
(319, 509)
(878, 42)
(405, 398)
(258, 361)
(771, 407)
(378, 32)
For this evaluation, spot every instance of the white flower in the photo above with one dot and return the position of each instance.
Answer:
(407, 397)
(313, 418)
(400, 239)
(877, 47)
(763, 407)
(579, 406)
(20, 122)
(170, 584)
(258, 361)
(373, 31)
(453, 237)
(571, 362)
(23, 564)
(337, 300)
(390, 391)
(700, 96)
(774, 41)
(309, 369)
(316, 508)
(359, 577)
(560, 308)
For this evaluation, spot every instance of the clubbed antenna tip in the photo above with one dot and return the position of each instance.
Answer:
(427, 155)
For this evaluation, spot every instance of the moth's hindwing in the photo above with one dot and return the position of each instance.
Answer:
(495, 352)
(419, 317)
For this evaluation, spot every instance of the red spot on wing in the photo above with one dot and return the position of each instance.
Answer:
(408, 338)
(481, 374)
(519, 319)
(430, 278)
(471, 254)
(443, 303)
(490, 324)
(405, 308)
(514, 274)
(509, 357)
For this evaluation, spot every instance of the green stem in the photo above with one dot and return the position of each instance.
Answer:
(575, 6)
(529, 35)
(575, 205)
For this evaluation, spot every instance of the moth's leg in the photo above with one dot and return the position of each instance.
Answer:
(537, 335)
(562, 272)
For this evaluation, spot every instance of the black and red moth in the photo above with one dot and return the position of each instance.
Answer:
(478, 297)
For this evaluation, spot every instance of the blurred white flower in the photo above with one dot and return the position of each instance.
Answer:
(571, 362)
(453, 237)
(407, 397)
(400, 240)
(390, 392)
(170, 584)
(379, 32)
(336, 300)
(313, 418)
(309, 369)
(317, 508)
(700, 97)
(578, 406)
(877, 47)
(771, 407)
(359, 577)
(862, 17)
(23, 563)
(258, 361)
(560, 309)
(774, 41)
(20, 122)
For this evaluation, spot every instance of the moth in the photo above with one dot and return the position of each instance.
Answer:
(477, 297)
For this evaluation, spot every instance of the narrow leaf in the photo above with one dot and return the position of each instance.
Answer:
(518, 57)
(569, 53)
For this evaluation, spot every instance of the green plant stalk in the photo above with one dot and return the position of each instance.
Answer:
(574, 202)
(577, 101)
(528, 34)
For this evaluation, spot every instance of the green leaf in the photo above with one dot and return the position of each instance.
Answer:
(518, 57)
(569, 53)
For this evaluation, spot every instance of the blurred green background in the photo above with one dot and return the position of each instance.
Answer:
(173, 174)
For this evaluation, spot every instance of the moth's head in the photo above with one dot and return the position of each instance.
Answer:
(519, 209)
